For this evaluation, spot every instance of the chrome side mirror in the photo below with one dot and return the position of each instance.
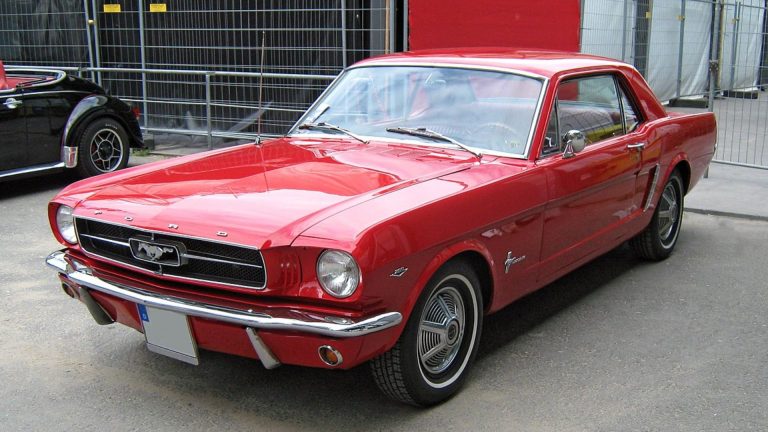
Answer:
(575, 141)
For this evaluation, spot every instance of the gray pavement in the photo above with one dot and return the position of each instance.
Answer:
(731, 191)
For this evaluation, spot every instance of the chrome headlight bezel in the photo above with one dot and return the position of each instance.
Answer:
(65, 223)
(338, 273)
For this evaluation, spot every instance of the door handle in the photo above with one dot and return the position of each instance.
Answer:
(636, 146)
(12, 103)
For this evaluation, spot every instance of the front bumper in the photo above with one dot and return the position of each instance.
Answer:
(299, 321)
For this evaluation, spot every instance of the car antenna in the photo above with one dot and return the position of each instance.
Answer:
(261, 87)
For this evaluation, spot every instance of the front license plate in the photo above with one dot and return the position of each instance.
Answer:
(168, 333)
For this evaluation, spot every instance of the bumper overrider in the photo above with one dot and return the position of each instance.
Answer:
(258, 325)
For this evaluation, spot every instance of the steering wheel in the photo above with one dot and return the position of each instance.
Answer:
(499, 137)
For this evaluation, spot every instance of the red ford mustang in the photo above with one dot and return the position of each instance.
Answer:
(421, 192)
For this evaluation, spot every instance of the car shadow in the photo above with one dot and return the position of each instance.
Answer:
(32, 185)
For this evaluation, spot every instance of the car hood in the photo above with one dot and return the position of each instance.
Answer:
(263, 195)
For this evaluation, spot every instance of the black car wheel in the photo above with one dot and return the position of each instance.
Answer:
(659, 238)
(103, 147)
(438, 345)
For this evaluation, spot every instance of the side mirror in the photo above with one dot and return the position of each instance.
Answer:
(575, 141)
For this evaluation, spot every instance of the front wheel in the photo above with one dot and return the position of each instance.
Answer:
(659, 238)
(103, 147)
(432, 358)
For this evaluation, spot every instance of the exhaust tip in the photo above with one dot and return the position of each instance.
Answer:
(68, 290)
(330, 355)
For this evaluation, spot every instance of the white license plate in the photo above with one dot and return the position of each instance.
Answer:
(168, 333)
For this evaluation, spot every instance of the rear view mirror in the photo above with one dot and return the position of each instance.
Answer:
(575, 141)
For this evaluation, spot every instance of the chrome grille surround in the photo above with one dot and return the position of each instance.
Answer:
(204, 260)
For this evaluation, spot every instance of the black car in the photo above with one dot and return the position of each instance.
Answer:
(50, 120)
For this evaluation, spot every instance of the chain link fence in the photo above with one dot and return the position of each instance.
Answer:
(708, 54)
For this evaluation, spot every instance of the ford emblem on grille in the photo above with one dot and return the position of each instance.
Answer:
(158, 252)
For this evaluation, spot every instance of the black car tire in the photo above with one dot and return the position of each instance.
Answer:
(103, 147)
(432, 358)
(659, 238)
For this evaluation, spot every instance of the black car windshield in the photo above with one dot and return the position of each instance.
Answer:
(485, 110)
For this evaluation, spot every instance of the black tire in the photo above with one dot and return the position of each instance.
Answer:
(103, 147)
(659, 238)
(428, 365)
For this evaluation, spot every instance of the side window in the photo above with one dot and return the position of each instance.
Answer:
(591, 105)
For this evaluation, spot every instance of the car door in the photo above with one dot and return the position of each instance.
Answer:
(13, 131)
(591, 193)
(46, 110)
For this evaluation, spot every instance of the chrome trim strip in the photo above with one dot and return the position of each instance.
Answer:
(78, 273)
(452, 66)
(266, 356)
(652, 190)
(34, 169)
(202, 258)
(104, 239)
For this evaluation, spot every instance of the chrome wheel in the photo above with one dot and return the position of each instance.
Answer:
(669, 215)
(441, 330)
(106, 150)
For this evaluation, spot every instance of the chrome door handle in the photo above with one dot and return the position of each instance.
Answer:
(636, 146)
(12, 103)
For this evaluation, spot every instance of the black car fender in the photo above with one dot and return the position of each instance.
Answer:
(94, 106)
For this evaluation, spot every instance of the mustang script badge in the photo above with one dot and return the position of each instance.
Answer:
(158, 252)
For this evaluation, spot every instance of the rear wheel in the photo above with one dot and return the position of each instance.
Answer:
(659, 238)
(433, 356)
(103, 147)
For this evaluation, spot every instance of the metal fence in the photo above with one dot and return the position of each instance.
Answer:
(695, 53)
(194, 67)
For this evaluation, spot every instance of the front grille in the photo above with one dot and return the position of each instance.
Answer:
(202, 260)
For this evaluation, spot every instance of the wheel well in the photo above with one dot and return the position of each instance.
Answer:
(685, 172)
(74, 137)
(478, 262)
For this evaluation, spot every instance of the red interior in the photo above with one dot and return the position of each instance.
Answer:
(3, 82)
(7, 83)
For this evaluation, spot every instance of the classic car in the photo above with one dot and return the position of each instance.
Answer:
(50, 120)
(421, 192)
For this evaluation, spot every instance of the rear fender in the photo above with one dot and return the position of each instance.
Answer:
(90, 108)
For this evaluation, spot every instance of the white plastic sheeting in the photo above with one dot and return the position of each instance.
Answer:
(666, 61)
(741, 56)
(601, 28)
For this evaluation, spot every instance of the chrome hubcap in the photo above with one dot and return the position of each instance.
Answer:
(669, 213)
(106, 150)
(441, 330)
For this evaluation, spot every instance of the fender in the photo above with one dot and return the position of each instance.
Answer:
(96, 106)
(439, 259)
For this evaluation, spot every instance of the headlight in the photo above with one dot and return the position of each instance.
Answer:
(66, 224)
(338, 273)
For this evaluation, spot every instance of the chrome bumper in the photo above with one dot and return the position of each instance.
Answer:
(331, 326)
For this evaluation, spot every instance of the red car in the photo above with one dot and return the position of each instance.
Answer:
(421, 192)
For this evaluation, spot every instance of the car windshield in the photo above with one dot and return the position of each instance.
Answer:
(481, 109)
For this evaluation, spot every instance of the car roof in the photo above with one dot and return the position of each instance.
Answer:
(542, 63)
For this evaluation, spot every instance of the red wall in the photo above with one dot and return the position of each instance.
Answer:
(549, 24)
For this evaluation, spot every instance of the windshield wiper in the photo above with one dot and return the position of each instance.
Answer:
(427, 133)
(328, 126)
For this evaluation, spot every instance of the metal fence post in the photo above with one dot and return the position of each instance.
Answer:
(208, 116)
(734, 44)
(343, 11)
(143, 59)
(96, 44)
(623, 32)
(405, 25)
(681, 17)
(88, 23)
